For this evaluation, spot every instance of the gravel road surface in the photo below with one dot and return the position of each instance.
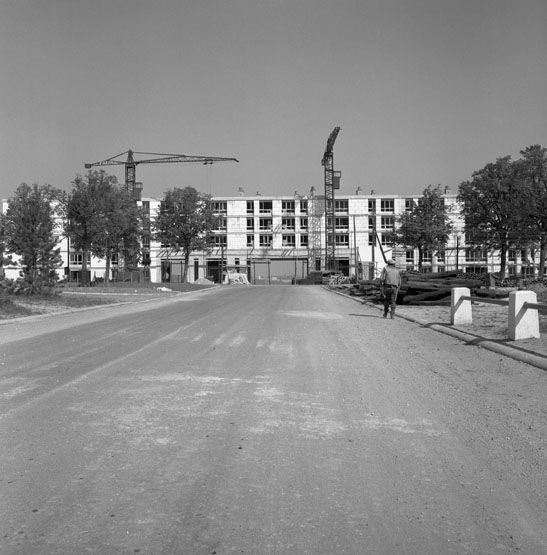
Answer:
(264, 420)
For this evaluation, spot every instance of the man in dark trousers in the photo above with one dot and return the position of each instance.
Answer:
(390, 281)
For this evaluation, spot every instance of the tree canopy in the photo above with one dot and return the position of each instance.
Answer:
(532, 174)
(493, 208)
(28, 230)
(184, 222)
(102, 219)
(426, 226)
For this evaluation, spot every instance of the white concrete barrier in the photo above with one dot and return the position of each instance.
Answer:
(460, 308)
(523, 321)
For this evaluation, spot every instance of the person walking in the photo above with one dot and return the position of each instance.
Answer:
(390, 281)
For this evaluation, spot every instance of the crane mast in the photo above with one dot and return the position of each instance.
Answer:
(332, 182)
(131, 163)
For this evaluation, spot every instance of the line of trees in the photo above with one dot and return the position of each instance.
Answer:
(100, 218)
(504, 206)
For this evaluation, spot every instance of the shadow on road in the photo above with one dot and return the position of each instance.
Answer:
(366, 316)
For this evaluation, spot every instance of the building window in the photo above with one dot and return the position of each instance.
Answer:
(265, 240)
(250, 224)
(250, 207)
(341, 223)
(288, 240)
(372, 205)
(341, 240)
(265, 207)
(386, 242)
(303, 240)
(387, 205)
(476, 269)
(146, 241)
(409, 204)
(220, 206)
(287, 206)
(219, 240)
(288, 224)
(78, 258)
(371, 223)
(221, 223)
(303, 206)
(250, 240)
(303, 223)
(265, 224)
(427, 256)
(440, 257)
(114, 257)
(475, 255)
(387, 223)
(341, 206)
(410, 256)
(371, 239)
(512, 255)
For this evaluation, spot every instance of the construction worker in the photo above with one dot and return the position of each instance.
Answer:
(390, 281)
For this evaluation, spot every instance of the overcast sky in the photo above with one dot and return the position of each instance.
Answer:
(425, 91)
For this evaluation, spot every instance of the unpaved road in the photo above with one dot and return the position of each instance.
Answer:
(275, 420)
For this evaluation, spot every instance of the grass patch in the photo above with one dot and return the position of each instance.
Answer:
(9, 309)
(66, 298)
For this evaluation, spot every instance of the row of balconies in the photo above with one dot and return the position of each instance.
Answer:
(341, 207)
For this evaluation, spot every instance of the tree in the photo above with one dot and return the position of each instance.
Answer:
(426, 226)
(101, 219)
(84, 206)
(119, 228)
(184, 222)
(29, 231)
(492, 204)
(532, 172)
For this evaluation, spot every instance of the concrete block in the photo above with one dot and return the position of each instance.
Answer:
(460, 309)
(523, 322)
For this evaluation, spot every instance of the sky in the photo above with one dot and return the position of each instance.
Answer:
(425, 91)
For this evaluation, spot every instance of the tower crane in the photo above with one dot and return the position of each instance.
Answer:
(152, 158)
(332, 182)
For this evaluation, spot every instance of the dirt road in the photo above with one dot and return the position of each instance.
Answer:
(264, 420)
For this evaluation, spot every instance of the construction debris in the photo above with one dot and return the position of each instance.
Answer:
(235, 278)
(417, 288)
(204, 281)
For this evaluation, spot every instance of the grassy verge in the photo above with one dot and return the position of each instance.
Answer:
(17, 306)
(9, 309)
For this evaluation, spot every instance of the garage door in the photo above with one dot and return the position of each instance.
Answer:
(278, 271)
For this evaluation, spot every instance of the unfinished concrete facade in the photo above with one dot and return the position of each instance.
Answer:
(279, 239)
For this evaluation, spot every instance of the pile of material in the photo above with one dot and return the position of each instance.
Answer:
(204, 281)
(420, 288)
(235, 278)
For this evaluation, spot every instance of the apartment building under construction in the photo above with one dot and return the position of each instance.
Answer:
(280, 239)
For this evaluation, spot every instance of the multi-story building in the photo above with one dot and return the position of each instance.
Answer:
(278, 239)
